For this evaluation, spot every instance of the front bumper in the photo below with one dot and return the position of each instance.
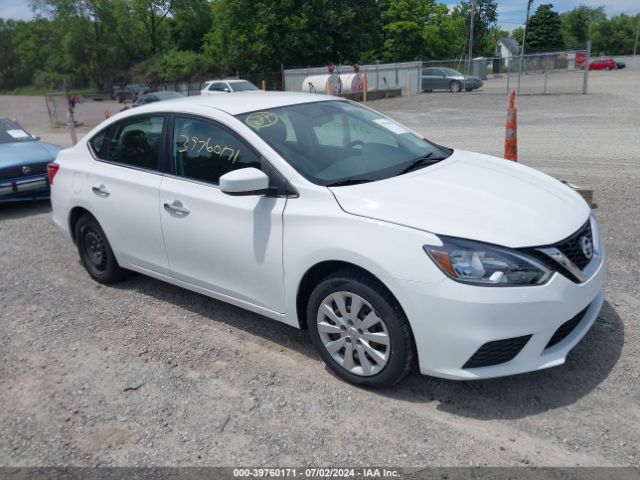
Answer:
(451, 321)
(34, 187)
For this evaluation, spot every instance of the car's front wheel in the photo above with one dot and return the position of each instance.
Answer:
(360, 330)
(95, 251)
(455, 86)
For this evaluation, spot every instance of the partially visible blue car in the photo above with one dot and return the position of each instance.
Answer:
(23, 164)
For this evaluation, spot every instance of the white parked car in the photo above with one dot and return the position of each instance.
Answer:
(324, 214)
(215, 87)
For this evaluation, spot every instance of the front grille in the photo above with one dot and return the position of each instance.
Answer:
(572, 248)
(497, 352)
(565, 329)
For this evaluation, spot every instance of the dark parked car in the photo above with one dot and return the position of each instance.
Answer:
(130, 92)
(156, 97)
(620, 64)
(23, 164)
(448, 79)
(603, 63)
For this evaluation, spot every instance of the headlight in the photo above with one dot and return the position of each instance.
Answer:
(479, 263)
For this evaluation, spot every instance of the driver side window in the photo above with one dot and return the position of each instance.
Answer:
(203, 150)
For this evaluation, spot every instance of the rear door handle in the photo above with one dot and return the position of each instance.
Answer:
(177, 208)
(101, 190)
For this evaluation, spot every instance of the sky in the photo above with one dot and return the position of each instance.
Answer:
(511, 13)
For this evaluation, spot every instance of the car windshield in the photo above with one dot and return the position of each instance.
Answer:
(11, 132)
(340, 142)
(243, 86)
(451, 72)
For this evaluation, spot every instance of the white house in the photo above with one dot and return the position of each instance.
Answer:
(507, 47)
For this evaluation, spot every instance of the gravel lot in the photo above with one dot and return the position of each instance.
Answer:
(144, 373)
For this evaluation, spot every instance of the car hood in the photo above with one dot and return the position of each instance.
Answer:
(20, 153)
(473, 196)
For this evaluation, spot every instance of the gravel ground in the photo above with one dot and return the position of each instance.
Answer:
(144, 373)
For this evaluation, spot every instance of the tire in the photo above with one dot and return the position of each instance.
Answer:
(455, 86)
(95, 252)
(341, 339)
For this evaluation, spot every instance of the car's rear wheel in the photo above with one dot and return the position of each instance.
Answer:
(95, 251)
(455, 86)
(360, 330)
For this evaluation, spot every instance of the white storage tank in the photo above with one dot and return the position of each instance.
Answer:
(347, 83)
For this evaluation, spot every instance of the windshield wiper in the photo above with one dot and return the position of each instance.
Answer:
(349, 181)
(421, 162)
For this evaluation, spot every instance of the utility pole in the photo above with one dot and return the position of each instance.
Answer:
(635, 47)
(473, 5)
(524, 37)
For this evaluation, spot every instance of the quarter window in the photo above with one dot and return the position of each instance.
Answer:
(205, 151)
(136, 143)
(98, 144)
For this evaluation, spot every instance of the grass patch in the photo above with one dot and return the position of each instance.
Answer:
(39, 91)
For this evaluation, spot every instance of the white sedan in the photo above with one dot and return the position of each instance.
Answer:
(326, 215)
(232, 85)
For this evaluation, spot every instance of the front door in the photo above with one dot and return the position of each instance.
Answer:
(229, 244)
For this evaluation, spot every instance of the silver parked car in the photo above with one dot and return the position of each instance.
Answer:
(448, 79)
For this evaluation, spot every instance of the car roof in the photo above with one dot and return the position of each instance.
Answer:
(240, 102)
(230, 80)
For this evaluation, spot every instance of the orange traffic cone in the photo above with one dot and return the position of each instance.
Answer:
(511, 137)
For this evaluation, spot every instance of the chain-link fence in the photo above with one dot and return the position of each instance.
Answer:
(404, 76)
(540, 73)
(548, 73)
(531, 74)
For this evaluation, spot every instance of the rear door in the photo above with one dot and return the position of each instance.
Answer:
(441, 79)
(231, 245)
(429, 78)
(124, 183)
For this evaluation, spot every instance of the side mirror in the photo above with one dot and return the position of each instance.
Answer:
(226, 89)
(245, 181)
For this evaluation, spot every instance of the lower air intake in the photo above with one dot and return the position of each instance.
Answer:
(497, 352)
(565, 329)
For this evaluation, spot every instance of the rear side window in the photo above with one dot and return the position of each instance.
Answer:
(136, 143)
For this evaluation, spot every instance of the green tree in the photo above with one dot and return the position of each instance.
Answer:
(615, 36)
(518, 34)
(9, 60)
(292, 32)
(415, 29)
(544, 32)
(153, 15)
(484, 19)
(190, 23)
(576, 23)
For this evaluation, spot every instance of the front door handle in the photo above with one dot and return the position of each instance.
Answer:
(177, 208)
(101, 190)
